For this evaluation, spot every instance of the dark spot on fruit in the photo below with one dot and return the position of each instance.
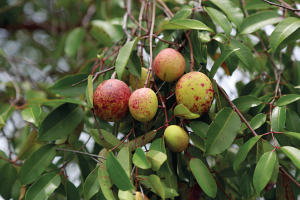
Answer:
(202, 84)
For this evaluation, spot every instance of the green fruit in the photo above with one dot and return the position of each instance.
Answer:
(195, 91)
(169, 65)
(176, 138)
(111, 100)
(141, 82)
(143, 104)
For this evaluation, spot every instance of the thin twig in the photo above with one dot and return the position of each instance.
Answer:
(74, 151)
(285, 6)
(101, 136)
(191, 52)
(291, 178)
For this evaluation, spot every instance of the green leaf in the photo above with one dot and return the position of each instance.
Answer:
(125, 195)
(90, 91)
(221, 39)
(134, 64)
(292, 135)
(246, 186)
(110, 140)
(117, 174)
(199, 127)
(124, 55)
(256, 122)
(292, 121)
(283, 30)
(185, 24)
(91, 185)
(233, 12)
(258, 4)
(263, 171)
(7, 113)
(157, 185)
(105, 182)
(259, 20)
(2, 123)
(43, 187)
(125, 159)
(232, 60)
(220, 19)
(32, 114)
(72, 191)
(147, 137)
(8, 176)
(222, 131)
(156, 159)
(222, 57)
(140, 159)
(73, 41)
(203, 177)
(244, 150)
(29, 145)
(263, 146)
(60, 122)
(183, 112)
(37, 162)
(182, 14)
(278, 119)
(197, 140)
(287, 99)
(245, 102)
(293, 154)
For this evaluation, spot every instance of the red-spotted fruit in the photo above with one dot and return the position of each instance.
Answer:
(143, 104)
(141, 82)
(111, 100)
(195, 91)
(176, 138)
(169, 65)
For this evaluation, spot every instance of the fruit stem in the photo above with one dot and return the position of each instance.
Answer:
(163, 104)
(101, 136)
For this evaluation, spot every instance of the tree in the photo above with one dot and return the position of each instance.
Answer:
(58, 52)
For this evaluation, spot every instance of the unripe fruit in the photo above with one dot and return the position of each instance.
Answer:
(141, 82)
(139, 196)
(176, 138)
(169, 65)
(143, 104)
(111, 100)
(195, 91)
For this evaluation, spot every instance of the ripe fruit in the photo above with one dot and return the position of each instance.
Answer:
(139, 196)
(141, 82)
(169, 65)
(111, 100)
(195, 91)
(176, 138)
(143, 104)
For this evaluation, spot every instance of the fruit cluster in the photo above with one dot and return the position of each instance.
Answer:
(112, 98)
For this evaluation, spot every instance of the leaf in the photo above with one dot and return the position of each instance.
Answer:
(233, 12)
(29, 146)
(182, 14)
(53, 102)
(256, 122)
(117, 174)
(287, 99)
(157, 185)
(259, 20)
(246, 102)
(220, 19)
(156, 159)
(263, 171)
(72, 191)
(140, 159)
(124, 55)
(222, 57)
(2, 123)
(183, 112)
(278, 119)
(222, 131)
(148, 137)
(8, 176)
(105, 182)
(125, 159)
(263, 146)
(37, 162)
(232, 60)
(293, 154)
(221, 39)
(60, 122)
(110, 140)
(198, 141)
(292, 135)
(244, 150)
(246, 186)
(203, 177)
(257, 4)
(125, 195)
(199, 127)
(91, 185)
(134, 64)
(284, 189)
(90, 92)
(32, 114)
(283, 30)
(73, 41)
(43, 187)
(185, 24)
(7, 113)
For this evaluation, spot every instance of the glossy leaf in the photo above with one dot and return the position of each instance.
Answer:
(185, 24)
(43, 187)
(292, 135)
(60, 122)
(32, 114)
(125, 159)
(220, 19)
(256, 122)
(125, 195)
(293, 153)
(105, 182)
(117, 174)
(221, 39)
(198, 141)
(90, 92)
(246, 186)
(257, 4)
(157, 185)
(110, 140)
(259, 20)
(156, 159)
(287, 99)
(91, 185)
(183, 112)
(283, 30)
(8, 176)
(148, 137)
(134, 64)
(34, 166)
(244, 150)
(263, 171)
(245, 102)
(72, 191)
(182, 14)
(140, 159)
(278, 118)
(232, 60)
(73, 41)
(222, 131)
(124, 55)
(203, 177)
(199, 127)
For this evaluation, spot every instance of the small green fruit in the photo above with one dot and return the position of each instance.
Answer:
(141, 82)
(176, 138)
(143, 104)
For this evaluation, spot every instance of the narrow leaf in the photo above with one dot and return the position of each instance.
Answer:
(142, 140)
(293, 154)
(245, 102)
(287, 99)
(72, 191)
(278, 118)
(73, 41)
(90, 91)
(140, 159)
(199, 127)
(185, 24)
(2, 123)
(221, 39)
(110, 140)
(105, 182)
(157, 185)
(125, 159)
(91, 185)
(220, 19)
(256, 122)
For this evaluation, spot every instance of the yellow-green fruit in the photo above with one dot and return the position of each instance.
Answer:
(139, 196)
(143, 104)
(176, 138)
(141, 82)
(195, 91)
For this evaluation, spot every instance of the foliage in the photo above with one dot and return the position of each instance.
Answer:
(53, 58)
